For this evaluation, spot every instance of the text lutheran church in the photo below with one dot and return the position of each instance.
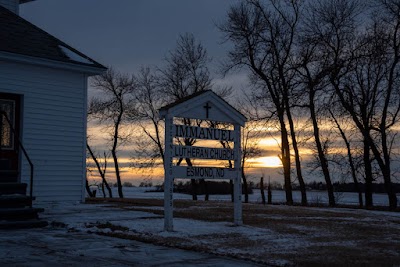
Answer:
(203, 153)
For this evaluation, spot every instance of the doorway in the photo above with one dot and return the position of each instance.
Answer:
(9, 134)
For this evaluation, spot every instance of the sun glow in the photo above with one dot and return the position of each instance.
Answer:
(270, 142)
(270, 162)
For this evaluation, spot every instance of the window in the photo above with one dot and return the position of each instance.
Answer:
(6, 137)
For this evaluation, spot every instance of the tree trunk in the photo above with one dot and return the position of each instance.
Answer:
(108, 188)
(114, 152)
(245, 188)
(262, 190)
(285, 158)
(193, 181)
(387, 171)
(384, 165)
(231, 181)
(101, 172)
(389, 189)
(117, 173)
(269, 193)
(351, 162)
(368, 174)
(194, 189)
(102, 190)
(353, 174)
(205, 187)
(296, 156)
(321, 155)
(88, 189)
(383, 128)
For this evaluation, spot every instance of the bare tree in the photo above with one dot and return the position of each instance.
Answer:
(186, 73)
(251, 135)
(186, 70)
(330, 31)
(350, 158)
(149, 100)
(249, 145)
(365, 61)
(87, 187)
(263, 38)
(250, 148)
(111, 106)
(386, 37)
(101, 168)
(314, 68)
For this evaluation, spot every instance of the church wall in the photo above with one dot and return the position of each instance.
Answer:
(53, 127)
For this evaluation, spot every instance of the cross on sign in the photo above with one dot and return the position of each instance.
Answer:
(207, 107)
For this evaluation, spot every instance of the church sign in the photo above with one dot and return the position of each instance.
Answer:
(206, 106)
(203, 133)
(203, 172)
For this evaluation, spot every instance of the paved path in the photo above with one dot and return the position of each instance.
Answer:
(58, 247)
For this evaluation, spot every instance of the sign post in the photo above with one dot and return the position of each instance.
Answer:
(237, 191)
(205, 105)
(168, 176)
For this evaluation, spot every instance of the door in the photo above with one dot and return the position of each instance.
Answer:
(9, 134)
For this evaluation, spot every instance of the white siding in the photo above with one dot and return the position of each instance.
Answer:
(12, 5)
(53, 129)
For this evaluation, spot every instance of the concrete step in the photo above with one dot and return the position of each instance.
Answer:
(15, 201)
(18, 214)
(12, 188)
(25, 224)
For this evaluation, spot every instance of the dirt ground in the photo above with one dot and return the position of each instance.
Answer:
(300, 236)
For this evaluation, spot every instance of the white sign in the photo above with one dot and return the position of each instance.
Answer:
(203, 105)
(203, 133)
(203, 152)
(192, 172)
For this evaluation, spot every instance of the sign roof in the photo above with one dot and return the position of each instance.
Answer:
(204, 105)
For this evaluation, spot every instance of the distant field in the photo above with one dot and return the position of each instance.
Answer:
(278, 196)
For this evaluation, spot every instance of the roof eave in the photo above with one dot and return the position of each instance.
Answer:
(89, 70)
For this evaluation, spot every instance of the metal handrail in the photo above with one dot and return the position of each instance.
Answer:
(3, 113)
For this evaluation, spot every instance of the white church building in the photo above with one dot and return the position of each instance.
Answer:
(43, 106)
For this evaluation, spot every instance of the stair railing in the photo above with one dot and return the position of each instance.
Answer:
(3, 113)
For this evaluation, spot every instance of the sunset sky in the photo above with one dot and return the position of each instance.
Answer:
(128, 34)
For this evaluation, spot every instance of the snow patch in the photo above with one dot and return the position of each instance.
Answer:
(74, 56)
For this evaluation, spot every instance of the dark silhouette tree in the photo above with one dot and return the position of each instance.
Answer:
(263, 41)
(365, 64)
(350, 158)
(150, 99)
(115, 100)
(101, 169)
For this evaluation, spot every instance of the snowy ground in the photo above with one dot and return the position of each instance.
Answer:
(107, 234)
(276, 235)
(71, 241)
